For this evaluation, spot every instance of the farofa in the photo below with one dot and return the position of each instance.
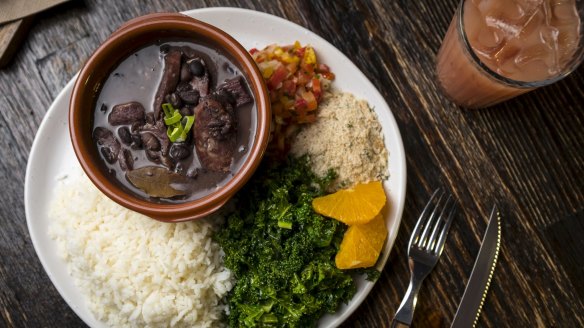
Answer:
(346, 137)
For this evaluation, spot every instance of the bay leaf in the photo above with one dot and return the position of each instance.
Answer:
(159, 181)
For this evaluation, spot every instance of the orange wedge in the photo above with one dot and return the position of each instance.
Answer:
(357, 205)
(362, 245)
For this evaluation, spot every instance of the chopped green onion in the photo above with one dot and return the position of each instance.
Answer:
(175, 118)
(171, 130)
(187, 123)
(175, 134)
(285, 225)
(168, 109)
(178, 126)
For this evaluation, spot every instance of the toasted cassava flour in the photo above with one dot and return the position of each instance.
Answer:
(346, 137)
(135, 271)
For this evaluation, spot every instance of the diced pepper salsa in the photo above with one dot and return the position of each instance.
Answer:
(296, 82)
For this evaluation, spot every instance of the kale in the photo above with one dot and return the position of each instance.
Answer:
(282, 252)
(372, 274)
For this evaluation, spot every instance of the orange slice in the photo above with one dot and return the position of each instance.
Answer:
(357, 205)
(362, 245)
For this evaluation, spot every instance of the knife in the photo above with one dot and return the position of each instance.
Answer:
(474, 295)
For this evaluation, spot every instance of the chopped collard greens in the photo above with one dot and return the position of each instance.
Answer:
(282, 252)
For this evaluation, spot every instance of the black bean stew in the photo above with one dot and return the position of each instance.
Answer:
(174, 121)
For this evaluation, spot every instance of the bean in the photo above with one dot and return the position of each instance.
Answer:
(136, 141)
(135, 127)
(152, 155)
(174, 100)
(150, 142)
(125, 136)
(108, 144)
(108, 154)
(150, 118)
(126, 160)
(179, 151)
(166, 161)
(186, 111)
(190, 97)
(197, 68)
(185, 73)
(127, 113)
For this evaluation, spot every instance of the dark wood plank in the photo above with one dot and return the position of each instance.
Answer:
(526, 155)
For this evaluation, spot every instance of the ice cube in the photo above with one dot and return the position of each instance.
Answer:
(509, 50)
(534, 70)
(507, 67)
(529, 54)
(523, 39)
(488, 41)
(473, 21)
(515, 11)
(568, 37)
(549, 38)
(527, 6)
(564, 13)
(491, 7)
(532, 25)
(505, 28)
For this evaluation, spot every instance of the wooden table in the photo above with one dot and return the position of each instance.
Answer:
(527, 155)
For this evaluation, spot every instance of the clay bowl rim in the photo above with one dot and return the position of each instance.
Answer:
(81, 130)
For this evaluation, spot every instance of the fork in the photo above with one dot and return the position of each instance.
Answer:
(424, 250)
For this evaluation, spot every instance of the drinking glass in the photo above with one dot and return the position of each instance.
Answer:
(498, 49)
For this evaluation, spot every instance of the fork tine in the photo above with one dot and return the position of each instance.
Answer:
(423, 241)
(439, 223)
(440, 244)
(419, 224)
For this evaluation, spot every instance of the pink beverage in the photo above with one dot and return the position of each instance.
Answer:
(497, 49)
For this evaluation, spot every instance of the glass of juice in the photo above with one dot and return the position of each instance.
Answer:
(498, 49)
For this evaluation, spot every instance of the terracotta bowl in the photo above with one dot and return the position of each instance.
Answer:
(132, 36)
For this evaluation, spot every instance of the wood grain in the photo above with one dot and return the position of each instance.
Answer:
(527, 155)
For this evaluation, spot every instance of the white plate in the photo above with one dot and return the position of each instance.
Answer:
(52, 155)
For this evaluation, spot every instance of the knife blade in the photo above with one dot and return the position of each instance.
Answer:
(470, 306)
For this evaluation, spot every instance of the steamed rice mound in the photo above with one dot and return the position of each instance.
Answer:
(135, 271)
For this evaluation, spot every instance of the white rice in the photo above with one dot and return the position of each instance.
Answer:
(135, 271)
